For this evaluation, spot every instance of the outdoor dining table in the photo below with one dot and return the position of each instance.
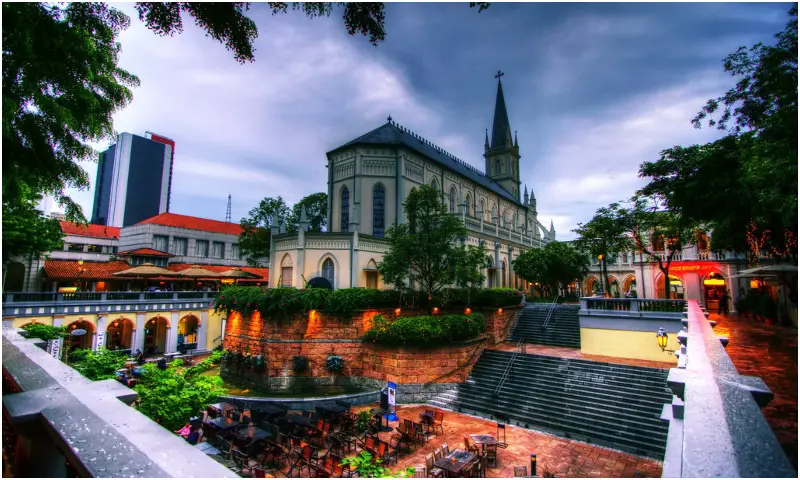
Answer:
(381, 413)
(207, 448)
(268, 410)
(462, 459)
(223, 423)
(299, 420)
(483, 439)
(254, 434)
(334, 409)
(223, 407)
(426, 417)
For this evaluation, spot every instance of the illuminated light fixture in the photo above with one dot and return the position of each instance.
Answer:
(435, 310)
(662, 338)
(397, 311)
(714, 281)
(500, 311)
(600, 257)
(80, 262)
(467, 311)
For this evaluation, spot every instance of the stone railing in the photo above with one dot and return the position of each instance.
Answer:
(641, 307)
(35, 304)
(716, 427)
(58, 424)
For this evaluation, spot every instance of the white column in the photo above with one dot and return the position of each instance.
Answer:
(137, 342)
(172, 333)
(100, 336)
(202, 331)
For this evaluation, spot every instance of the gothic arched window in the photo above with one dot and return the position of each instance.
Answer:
(494, 212)
(452, 200)
(328, 270)
(483, 210)
(378, 210)
(469, 210)
(498, 166)
(345, 212)
(435, 184)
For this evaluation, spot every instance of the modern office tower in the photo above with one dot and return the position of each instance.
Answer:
(134, 180)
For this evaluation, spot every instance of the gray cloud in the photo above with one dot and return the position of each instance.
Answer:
(594, 89)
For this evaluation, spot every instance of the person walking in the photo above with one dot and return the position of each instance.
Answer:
(723, 303)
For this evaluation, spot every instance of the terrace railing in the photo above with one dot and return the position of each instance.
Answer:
(46, 297)
(519, 348)
(35, 304)
(633, 307)
(549, 317)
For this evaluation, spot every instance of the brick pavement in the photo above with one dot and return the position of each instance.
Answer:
(566, 352)
(769, 352)
(564, 457)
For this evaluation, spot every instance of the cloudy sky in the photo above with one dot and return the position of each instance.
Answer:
(592, 89)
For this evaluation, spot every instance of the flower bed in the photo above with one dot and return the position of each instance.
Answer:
(426, 330)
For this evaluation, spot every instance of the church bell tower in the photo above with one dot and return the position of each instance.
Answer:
(502, 153)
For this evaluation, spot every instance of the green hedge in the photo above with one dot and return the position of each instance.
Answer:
(210, 362)
(44, 332)
(348, 301)
(426, 330)
(97, 365)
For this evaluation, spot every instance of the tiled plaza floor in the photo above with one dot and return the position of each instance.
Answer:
(565, 458)
(566, 352)
(769, 352)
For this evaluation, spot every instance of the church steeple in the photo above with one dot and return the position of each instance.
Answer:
(502, 153)
(501, 129)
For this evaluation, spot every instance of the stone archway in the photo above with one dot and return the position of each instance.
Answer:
(613, 287)
(188, 327)
(119, 334)
(155, 335)
(629, 284)
(593, 284)
(85, 341)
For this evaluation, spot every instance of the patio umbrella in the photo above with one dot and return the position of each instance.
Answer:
(196, 271)
(771, 269)
(145, 270)
(237, 273)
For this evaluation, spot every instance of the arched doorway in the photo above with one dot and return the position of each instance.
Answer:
(155, 335)
(503, 273)
(187, 333)
(592, 286)
(490, 272)
(676, 290)
(119, 334)
(629, 285)
(84, 341)
(714, 286)
(613, 286)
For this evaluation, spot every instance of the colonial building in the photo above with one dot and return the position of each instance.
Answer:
(370, 177)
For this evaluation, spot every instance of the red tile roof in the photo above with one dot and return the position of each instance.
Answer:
(91, 230)
(193, 223)
(261, 272)
(146, 252)
(69, 269)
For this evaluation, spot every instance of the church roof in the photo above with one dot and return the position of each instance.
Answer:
(393, 134)
(501, 129)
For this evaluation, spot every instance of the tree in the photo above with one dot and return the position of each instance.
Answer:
(427, 251)
(743, 186)
(62, 82)
(254, 241)
(26, 232)
(605, 235)
(668, 234)
(316, 206)
(551, 269)
(532, 266)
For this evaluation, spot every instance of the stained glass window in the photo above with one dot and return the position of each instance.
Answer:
(345, 214)
(452, 200)
(328, 270)
(378, 210)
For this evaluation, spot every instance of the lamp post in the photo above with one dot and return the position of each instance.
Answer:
(662, 338)
(602, 276)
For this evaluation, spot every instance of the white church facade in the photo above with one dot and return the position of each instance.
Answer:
(369, 179)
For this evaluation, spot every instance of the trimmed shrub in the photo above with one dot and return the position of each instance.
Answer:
(426, 330)
(44, 332)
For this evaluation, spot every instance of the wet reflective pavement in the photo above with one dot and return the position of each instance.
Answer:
(769, 352)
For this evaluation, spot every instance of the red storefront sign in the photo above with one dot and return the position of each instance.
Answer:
(693, 267)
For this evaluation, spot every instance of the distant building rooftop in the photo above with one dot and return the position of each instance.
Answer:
(193, 223)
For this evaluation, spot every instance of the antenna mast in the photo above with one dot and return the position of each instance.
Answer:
(228, 210)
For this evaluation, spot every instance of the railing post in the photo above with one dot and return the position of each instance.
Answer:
(103, 296)
(174, 295)
(634, 304)
(584, 304)
(141, 296)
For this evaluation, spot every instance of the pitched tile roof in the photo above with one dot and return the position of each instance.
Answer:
(193, 223)
(392, 134)
(260, 271)
(91, 230)
(69, 269)
(146, 252)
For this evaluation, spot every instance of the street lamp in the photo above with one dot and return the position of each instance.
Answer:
(662, 338)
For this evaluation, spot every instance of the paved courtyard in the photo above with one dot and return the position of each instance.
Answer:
(563, 457)
(769, 352)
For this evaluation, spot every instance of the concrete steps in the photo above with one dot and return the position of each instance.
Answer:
(616, 406)
(563, 330)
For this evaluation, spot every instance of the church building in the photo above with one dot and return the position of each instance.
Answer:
(369, 179)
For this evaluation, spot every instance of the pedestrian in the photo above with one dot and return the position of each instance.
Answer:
(723, 303)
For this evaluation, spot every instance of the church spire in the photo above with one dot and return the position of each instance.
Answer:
(526, 195)
(516, 143)
(501, 129)
(486, 144)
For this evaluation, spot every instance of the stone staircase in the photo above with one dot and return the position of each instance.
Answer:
(564, 329)
(616, 406)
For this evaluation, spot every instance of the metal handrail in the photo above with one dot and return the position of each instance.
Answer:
(519, 348)
(548, 317)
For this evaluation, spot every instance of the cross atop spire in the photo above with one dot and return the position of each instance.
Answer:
(499, 76)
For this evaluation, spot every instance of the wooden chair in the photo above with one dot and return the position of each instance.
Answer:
(385, 453)
(243, 463)
(470, 446)
(521, 471)
(338, 471)
(433, 471)
(437, 454)
(483, 462)
(422, 432)
(469, 470)
(419, 472)
(304, 460)
(501, 435)
(438, 421)
(490, 452)
(226, 447)
(445, 449)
